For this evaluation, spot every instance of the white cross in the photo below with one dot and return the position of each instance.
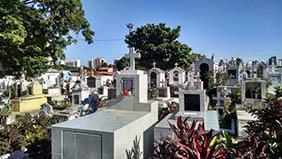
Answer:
(154, 64)
(131, 55)
(176, 64)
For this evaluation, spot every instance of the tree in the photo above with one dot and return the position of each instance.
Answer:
(239, 61)
(158, 43)
(34, 33)
(121, 63)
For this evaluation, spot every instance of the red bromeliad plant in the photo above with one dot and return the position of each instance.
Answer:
(192, 141)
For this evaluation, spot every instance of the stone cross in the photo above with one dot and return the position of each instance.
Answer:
(176, 64)
(131, 55)
(154, 64)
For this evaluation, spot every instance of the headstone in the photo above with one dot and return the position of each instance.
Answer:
(156, 77)
(253, 93)
(233, 75)
(79, 92)
(206, 66)
(192, 104)
(177, 76)
(91, 82)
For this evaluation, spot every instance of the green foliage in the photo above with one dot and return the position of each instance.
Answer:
(121, 63)
(32, 31)
(278, 91)
(159, 43)
(268, 82)
(152, 93)
(135, 152)
(172, 107)
(4, 114)
(264, 138)
(32, 133)
(191, 141)
(238, 61)
(219, 79)
(60, 105)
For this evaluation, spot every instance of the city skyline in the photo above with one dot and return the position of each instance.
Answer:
(247, 29)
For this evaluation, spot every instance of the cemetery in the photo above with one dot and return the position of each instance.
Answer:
(162, 99)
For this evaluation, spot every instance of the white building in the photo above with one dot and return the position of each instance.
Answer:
(96, 62)
(73, 63)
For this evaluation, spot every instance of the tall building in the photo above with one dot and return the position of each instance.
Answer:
(73, 63)
(279, 62)
(97, 62)
(272, 61)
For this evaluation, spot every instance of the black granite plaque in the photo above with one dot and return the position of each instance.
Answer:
(91, 82)
(191, 102)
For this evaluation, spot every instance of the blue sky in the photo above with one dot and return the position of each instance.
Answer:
(251, 29)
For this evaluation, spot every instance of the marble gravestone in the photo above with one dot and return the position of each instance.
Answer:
(233, 75)
(205, 66)
(177, 76)
(79, 92)
(192, 104)
(276, 78)
(156, 77)
(253, 93)
(107, 133)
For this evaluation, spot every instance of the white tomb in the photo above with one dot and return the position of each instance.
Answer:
(192, 104)
(109, 132)
(79, 92)
(156, 77)
(233, 75)
(177, 76)
(253, 93)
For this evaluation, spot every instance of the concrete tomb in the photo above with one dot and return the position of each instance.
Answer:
(31, 102)
(79, 92)
(253, 93)
(177, 76)
(233, 75)
(109, 132)
(204, 67)
(192, 104)
(156, 77)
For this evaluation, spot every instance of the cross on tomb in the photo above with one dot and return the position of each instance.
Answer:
(176, 64)
(154, 64)
(132, 55)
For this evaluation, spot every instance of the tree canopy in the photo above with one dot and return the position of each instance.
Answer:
(159, 43)
(34, 33)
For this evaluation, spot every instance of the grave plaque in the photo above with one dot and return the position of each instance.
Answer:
(232, 74)
(91, 82)
(191, 102)
(253, 90)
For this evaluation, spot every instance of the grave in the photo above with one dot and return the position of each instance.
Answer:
(276, 78)
(109, 132)
(79, 92)
(91, 82)
(31, 102)
(177, 76)
(156, 77)
(192, 104)
(253, 93)
(233, 75)
(205, 66)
